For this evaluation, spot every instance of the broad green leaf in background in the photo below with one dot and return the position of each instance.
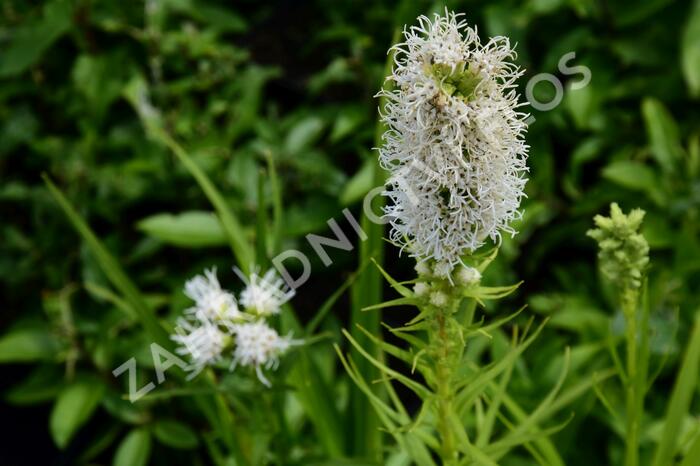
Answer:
(27, 345)
(359, 184)
(73, 408)
(690, 51)
(44, 383)
(187, 229)
(632, 175)
(662, 133)
(30, 41)
(135, 449)
(303, 135)
(175, 434)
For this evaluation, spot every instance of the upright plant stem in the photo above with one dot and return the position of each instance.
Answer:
(633, 401)
(443, 374)
(446, 349)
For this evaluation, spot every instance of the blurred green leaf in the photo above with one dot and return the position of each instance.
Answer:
(635, 176)
(28, 345)
(303, 135)
(73, 408)
(662, 133)
(43, 384)
(175, 434)
(134, 450)
(359, 184)
(30, 41)
(111, 268)
(690, 51)
(187, 229)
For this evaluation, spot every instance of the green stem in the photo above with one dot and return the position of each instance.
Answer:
(633, 403)
(445, 395)
(446, 350)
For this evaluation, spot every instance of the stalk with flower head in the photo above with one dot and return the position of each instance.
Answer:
(455, 152)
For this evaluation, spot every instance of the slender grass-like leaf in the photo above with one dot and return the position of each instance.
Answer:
(242, 250)
(366, 438)
(112, 270)
(679, 403)
(691, 457)
(331, 301)
(417, 388)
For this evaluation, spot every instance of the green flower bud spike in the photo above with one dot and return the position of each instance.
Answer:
(624, 252)
(623, 258)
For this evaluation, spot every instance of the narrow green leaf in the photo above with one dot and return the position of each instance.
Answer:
(693, 453)
(314, 393)
(690, 51)
(681, 397)
(234, 231)
(403, 291)
(368, 288)
(419, 389)
(277, 206)
(112, 270)
(330, 302)
(391, 303)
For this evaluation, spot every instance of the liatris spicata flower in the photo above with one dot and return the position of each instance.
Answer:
(201, 340)
(264, 295)
(215, 324)
(215, 302)
(454, 145)
(258, 345)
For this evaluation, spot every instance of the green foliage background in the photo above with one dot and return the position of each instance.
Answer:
(251, 84)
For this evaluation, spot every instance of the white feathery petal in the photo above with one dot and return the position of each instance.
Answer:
(454, 145)
(264, 295)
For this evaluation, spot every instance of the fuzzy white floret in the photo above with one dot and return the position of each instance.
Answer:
(211, 301)
(468, 275)
(265, 295)
(201, 342)
(258, 345)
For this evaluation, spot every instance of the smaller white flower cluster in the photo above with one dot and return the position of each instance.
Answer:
(216, 323)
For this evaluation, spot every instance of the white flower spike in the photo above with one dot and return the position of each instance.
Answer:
(258, 345)
(264, 295)
(454, 145)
